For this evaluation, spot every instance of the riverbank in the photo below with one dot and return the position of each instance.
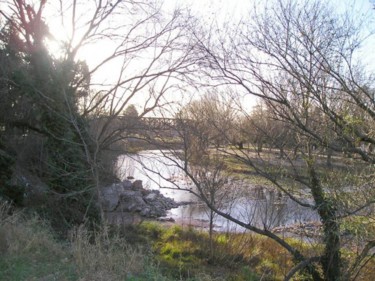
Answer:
(30, 251)
(142, 252)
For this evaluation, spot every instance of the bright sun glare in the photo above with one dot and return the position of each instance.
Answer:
(60, 37)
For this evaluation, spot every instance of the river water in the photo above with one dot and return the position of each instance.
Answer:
(249, 203)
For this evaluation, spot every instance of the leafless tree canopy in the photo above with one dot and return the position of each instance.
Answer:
(316, 101)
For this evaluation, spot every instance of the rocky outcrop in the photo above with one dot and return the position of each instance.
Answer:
(131, 202)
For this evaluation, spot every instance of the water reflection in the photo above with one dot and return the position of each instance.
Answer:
(259, 205)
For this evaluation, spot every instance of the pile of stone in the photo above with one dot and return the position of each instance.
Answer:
(129, 200)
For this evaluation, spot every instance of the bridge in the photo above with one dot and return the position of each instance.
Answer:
(148, 127)
(149, 123)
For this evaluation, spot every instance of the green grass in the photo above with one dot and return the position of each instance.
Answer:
(187, 253)
(149, 251)
(24, 267)
(359, 226)
(30, 251)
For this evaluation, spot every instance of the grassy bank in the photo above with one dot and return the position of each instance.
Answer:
(29, 250)
(185, 252)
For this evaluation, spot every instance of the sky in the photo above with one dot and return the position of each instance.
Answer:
(206, 10)
(209, 11)
(221, 10)
(228, 11)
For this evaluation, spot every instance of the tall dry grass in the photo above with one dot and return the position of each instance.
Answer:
(30, 251)
(19, 235)
(101, 256)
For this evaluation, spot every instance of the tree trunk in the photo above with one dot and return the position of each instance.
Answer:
(260, 146)
(211, 228)
(281, 149)
(329, 157)
(295, 152)
(240, 145)
(331, 261)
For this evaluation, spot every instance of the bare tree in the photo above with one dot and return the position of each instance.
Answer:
(212, 121)
(301, 60)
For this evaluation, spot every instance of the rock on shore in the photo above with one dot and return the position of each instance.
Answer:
(128, 202)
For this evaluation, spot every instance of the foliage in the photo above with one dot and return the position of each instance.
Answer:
(8, 190)
(131, 111)
(40, 119)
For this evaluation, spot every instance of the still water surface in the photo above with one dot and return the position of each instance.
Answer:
(260, 206)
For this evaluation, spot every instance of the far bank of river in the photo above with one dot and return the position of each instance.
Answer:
(260, 206)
